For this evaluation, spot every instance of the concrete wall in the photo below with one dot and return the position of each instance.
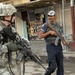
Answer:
(67, 12)
(19, 23)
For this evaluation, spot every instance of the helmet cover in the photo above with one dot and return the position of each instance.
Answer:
(7, 9)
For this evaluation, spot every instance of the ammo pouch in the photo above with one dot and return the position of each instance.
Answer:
(51, 39)
(12, 46)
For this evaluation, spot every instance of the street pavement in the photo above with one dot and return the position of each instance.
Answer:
(32, 68)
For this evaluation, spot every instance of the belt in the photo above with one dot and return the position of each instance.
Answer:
(53, 44)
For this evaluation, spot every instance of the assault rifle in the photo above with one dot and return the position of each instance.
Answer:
(26, 50)
(60, 36)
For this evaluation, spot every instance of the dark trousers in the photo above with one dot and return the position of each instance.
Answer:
(55, 59)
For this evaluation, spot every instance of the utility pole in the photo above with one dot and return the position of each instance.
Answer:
(63, 18)
(72, 43)
(73, 18)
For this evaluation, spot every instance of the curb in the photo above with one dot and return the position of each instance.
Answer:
(68, 54)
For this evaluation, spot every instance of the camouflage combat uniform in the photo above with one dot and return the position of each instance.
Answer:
(4, 47)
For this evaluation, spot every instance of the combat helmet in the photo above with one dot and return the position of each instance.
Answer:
(7, 9)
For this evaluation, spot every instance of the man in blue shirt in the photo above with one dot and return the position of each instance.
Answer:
(53, 47)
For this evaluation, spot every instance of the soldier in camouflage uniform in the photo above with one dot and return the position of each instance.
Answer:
(7, 18)
(53, 47)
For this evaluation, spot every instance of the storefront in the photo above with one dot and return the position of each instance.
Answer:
(36, 18)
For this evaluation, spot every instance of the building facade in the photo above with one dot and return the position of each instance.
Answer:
(28, 14)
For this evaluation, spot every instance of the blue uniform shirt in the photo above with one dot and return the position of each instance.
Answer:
(50, 38)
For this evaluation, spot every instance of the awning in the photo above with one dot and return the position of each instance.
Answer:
(35, 4)
(38, 4)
